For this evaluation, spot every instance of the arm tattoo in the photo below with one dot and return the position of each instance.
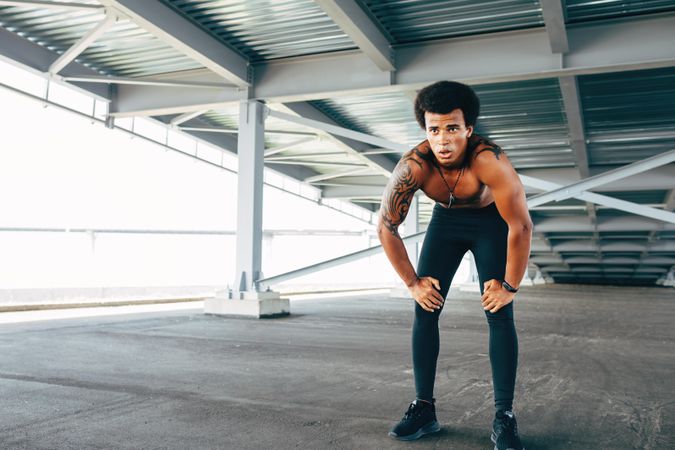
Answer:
(490, 146)
(398, 195)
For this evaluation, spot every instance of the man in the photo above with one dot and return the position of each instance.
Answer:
(480, 207)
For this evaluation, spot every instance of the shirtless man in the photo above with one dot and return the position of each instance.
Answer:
(480, 207)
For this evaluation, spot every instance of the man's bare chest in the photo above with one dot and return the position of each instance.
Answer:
(468, 190)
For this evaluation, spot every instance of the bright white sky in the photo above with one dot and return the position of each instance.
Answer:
(58, 169)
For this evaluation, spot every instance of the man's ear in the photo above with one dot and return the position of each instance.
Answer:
(470, 128)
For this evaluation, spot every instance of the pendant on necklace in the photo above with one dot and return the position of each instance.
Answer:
(450, 200)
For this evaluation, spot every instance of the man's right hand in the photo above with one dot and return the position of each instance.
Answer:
(425, 291)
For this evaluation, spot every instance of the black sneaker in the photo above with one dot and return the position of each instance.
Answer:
(505, 432)
(418, 420)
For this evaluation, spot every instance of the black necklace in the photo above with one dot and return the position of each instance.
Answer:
(451, 198)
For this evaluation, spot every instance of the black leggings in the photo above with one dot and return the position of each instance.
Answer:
(451, 233)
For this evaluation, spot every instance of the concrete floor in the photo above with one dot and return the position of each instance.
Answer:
(596, 372)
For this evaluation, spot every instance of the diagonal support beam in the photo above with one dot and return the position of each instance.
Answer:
(151, 82)
(281, 148)
(574, 189)
(554, 19)
(186, 117)
(264, 282)
(330, 176)
(356, 24)
(339, 131)
(610, 202)
(85, 41)
(186, 37)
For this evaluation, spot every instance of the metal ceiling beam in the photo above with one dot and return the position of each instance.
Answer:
(522, 55)
(573, 108)
(583, 224)
(356, 24)
(340, 131)
(281, 148)
(569, 91)
(347, 192)
(498, 57)
(186, 37)
(49, 4)
(152, 82)
(611, 202)
(186, 117)
(330, 176)
(554, 19)
(378, 163)
(564, 192)
(660, 178)
(81, 45)
(28, 55)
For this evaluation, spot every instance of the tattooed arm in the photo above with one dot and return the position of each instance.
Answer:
(406, 179)
(394, 208)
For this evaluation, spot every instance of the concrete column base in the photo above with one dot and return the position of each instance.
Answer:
(248, 304)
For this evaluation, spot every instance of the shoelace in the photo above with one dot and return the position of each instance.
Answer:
(507, 423)
(413, 411)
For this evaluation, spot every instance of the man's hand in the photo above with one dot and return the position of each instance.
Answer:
(495, 297)
(425, 292)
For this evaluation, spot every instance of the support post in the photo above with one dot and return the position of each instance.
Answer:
(246, 299)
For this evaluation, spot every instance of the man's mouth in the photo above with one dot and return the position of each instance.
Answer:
(445, 153)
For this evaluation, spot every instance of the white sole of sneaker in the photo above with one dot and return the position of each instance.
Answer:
(429, 428)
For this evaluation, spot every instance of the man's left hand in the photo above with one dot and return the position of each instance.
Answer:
(495, 297)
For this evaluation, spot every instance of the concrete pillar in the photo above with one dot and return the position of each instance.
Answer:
(245, 299)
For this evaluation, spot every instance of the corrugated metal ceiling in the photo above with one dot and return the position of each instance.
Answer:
(125, 49)
(422, 20)
(267, 29)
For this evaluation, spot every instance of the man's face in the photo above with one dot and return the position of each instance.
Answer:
(448, 136)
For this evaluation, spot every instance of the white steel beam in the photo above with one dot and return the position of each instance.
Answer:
(564, 192)
(281, 148)
(186, 37)
(152, 82)
(185, 117)
(575, 121)
(378, 163)
(356, 24)
(598, 199)
(270, 281)
(513, 56)
(340, 131)
(330, 176)
(49, 4)
(30, 56)
(81, 45)
(554, 19)
(498, 57)
(250, 150)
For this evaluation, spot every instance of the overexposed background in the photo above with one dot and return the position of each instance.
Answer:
(62, 170)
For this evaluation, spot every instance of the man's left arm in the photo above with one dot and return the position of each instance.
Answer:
(494, 169)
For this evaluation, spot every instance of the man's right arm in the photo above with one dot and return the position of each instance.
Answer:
(394, 208)
(396, 200)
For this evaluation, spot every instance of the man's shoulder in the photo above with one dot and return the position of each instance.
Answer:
(418, 157)
(481, 147)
